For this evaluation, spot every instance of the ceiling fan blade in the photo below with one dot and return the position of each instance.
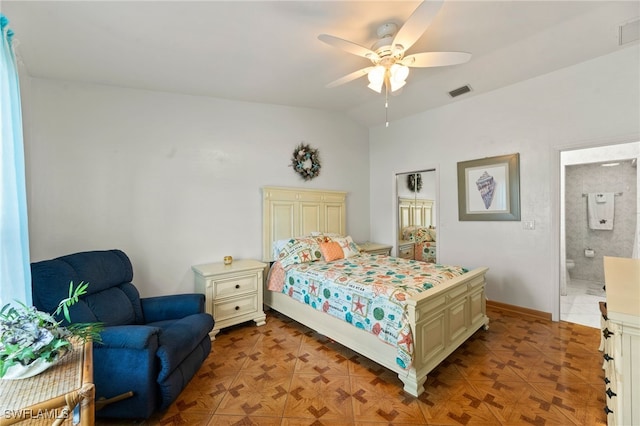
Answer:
(435, 59)
(349, 77)
(417, 23)
(349, 46)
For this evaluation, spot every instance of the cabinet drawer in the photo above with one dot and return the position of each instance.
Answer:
(235, 307)
(406, 252)
(234, 286)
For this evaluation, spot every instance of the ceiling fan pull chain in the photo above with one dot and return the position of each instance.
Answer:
(386, 106)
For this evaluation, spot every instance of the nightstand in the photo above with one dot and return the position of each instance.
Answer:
(375, 248)
(406, 249)
(233, 292)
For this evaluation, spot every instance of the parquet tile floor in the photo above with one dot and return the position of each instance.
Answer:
(522, 371)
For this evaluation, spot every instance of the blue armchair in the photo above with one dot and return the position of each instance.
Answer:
(150, 346)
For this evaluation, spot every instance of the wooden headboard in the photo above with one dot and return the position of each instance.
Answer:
(414, 212)
(294, 212)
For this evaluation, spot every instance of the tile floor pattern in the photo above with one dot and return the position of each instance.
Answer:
(580, 304)
(522, 371)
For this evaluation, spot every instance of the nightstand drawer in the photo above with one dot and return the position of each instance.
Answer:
(235, 307)
(406, 252)
(235, 286)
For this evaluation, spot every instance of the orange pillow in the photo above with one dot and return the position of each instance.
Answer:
(331, 251)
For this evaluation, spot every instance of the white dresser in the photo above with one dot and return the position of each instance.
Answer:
(620, 341)
(233, 292)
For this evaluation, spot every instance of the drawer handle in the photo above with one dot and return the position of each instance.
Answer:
(237, 308)
(606, 333)
(607, 357)
(237, 285)
(607, 410)
(606, 381)
(611, 393)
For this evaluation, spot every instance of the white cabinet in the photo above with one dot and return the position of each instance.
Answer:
(621, 341)
(233, 292)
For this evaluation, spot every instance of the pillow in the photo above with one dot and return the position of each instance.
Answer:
(324, 237)
(432, 233)
(299, 250)
(278, 246)
(417, 234)
(331, 251)
(347, 245)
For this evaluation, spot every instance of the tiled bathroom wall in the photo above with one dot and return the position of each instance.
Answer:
(583, 179)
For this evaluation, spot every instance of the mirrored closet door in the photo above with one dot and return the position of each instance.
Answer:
(416, 227)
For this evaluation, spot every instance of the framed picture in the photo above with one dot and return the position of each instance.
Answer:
(489, 188)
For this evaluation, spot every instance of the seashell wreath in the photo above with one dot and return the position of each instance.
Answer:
(306, 161)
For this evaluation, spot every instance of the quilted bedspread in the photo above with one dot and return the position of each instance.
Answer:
(368, 291)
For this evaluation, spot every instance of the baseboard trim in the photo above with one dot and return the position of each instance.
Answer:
(519, 310)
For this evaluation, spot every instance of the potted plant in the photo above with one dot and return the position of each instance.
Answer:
(32, 341)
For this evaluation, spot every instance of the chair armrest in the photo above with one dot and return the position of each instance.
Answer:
(171, 307)
(129, 337)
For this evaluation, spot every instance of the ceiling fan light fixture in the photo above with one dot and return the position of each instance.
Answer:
(398, 75)
(399, 72)
(395, 85)
(376, 78)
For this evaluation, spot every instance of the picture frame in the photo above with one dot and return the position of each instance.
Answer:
(489, 189)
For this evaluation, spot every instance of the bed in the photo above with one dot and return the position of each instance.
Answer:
(439, 318)
(416, 230)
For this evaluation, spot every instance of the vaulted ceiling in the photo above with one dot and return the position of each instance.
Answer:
(268, 51)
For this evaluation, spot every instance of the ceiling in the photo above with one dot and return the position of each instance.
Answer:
(268, 51)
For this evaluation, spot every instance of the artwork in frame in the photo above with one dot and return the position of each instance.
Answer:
(489, 188)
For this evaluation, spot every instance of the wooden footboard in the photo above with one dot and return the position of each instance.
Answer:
(442, 318)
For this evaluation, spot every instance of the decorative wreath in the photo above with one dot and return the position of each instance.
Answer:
(306, 162)
(414, 182)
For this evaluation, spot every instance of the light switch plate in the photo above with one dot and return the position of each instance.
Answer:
(529, 225)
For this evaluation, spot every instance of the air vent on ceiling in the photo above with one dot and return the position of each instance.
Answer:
(629, 31)
(460, 91)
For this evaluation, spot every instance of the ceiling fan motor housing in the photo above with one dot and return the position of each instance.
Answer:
(384, 47)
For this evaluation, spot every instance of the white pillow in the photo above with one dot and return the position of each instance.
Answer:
(348, 246)
(278, 246)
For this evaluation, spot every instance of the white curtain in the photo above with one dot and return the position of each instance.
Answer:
(15, 271)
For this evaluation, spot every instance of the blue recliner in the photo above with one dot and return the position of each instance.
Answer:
(151, 346)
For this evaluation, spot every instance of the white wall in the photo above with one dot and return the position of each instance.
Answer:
(172, 180)
(590, 103)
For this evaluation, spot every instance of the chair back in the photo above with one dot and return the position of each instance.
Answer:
(111, 297)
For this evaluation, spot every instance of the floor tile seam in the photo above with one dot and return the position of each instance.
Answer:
(494, 422)
(565, 415)
(316, 374)
(491, 410)
(286, 397)
(515, 372)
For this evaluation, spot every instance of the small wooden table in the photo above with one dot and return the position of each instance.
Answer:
(51, 397)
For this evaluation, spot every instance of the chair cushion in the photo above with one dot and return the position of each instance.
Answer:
(179, 338)
(111, 307)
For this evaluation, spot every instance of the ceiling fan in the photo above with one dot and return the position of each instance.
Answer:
(389, 66)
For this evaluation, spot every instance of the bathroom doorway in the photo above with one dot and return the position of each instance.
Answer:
(585, 173)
